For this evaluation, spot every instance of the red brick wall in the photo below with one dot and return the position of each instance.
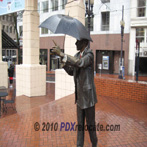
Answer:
(121, 89)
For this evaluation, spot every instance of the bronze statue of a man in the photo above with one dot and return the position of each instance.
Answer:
(81, 66)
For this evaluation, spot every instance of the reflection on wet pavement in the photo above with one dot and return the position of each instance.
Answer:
(18, 129)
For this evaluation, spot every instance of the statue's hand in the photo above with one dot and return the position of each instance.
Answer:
(56, 50)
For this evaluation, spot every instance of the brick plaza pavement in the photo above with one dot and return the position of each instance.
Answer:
(17, 128)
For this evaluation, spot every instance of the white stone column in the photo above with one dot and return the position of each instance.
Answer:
(30, 76)
(3, 65)
(132, 41)
(132, 44)
(64, 83)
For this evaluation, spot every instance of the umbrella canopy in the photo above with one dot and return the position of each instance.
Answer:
(63, 24)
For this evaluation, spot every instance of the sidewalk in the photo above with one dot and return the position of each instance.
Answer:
(140, 78)
(17, 129)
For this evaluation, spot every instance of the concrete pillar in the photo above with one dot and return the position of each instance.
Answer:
(3, 65)
(30, 76)
(31, 33)
(132, 42)
(132, 45)
(65, 83)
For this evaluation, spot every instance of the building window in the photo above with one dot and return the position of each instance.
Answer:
(45, 6)
(7, 17)
(54, 5)
(105, 1)
(10, 29)
(7, 29)
(141, 8)
(140, 34)
(20, 30)
(11, 18)
(44, 31)
(91, 24)
(3, 17)
(3, 27)
(64, 2)
(105, 21)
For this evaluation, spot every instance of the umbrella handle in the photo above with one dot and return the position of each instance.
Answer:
(54, 43)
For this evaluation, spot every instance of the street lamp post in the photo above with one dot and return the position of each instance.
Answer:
(122, 24)
(89, 13)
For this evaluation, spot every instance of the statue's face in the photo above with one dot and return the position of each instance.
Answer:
(80, 44)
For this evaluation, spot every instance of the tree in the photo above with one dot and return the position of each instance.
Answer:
(18, 17)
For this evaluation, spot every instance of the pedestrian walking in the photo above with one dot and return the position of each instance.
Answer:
(11, 74)
(9, 63)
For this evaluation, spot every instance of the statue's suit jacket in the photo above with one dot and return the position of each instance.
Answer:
(83, 71)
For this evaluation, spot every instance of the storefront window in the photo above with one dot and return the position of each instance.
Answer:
(9, 55)
(55, 62)
(43, 57)
(20, 57)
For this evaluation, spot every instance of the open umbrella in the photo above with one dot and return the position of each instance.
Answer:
(63, 24)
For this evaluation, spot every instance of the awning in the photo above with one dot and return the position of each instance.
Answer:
(8, 42)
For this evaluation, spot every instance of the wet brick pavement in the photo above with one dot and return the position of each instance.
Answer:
(17, 128)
